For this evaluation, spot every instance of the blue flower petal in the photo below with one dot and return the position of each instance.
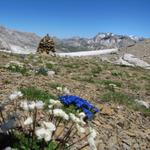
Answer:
(87, 107)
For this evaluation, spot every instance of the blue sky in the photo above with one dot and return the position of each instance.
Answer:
(67, 18)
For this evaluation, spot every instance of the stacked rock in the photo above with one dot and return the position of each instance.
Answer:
(47, 45)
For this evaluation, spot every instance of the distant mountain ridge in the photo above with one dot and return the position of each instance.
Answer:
(18, 42)
(24, 42)
(100, 41)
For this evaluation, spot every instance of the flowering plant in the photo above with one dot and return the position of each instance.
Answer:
(80, 103)
(35, 125)
(16, 66)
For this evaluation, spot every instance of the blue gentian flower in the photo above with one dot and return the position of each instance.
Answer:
(80, 103)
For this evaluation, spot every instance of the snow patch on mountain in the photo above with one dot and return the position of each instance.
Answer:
(89, 53)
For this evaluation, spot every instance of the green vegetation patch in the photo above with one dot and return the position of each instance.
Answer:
(33, 93)
(24, 142)
(84, 79)
(125, 99)
(42, 71)
(96, 70)
(72, 65)
(54, 85)
(108, 82)
(16, 68)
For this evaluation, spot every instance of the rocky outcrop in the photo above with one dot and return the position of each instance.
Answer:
(131, 60)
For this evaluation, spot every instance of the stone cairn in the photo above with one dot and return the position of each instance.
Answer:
(46, 45)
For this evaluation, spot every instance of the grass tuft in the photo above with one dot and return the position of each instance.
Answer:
(33, 93)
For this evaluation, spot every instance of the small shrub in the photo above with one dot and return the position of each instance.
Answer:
(50, 66)
(96, 70)
(7, 81)
(17, 67)
(53, 67)
(42, 71)
(116, 73)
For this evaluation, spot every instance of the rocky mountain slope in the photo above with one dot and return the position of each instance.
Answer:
(23, 42)
(129, 50)
(119, 92)
(18, 42)
(100, 41)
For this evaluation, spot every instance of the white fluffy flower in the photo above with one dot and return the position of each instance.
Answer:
(17, 63)
(19, 94)
(31, 105)
(66, 91)
(74, 118)
(82, 115)
(48, 135)
(91, 138)
(15, 95)
(91, 143)
(46, 131)
(59, 89)
(60, 113)
(143, 103)
(8, 148)
(24, 105)
(50, 111)
(39, 104)
(55, 102)
(80, 129)
(28, 121)
(40, 133)
(50, 106)
(43, 133)
(7, 65)
(49, 125)
(92, 132)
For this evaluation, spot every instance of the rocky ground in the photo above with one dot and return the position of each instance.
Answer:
(122, 124)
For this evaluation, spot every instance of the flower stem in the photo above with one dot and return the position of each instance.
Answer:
(67, 135)
(34, 124)
(83, 146)
(77, 141)
(2, 116)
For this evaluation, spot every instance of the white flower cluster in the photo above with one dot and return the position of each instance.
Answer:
(15, 95)
(63, 90)
(54, 103)
(80, 128)
(13, 64)
(28, 121)
(31, 105)
(45, 131)
(91, 138)
(76, 119)
(59, 113)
